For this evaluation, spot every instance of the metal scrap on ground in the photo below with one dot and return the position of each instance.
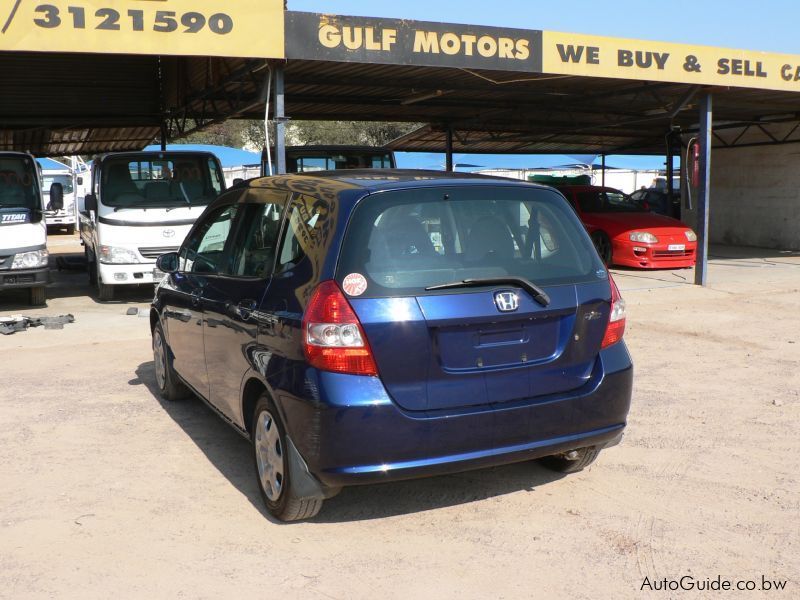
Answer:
(15, 323)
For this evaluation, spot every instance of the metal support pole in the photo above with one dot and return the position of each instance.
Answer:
(163, 136)
(603, 170)
(280, 122)
(704, 191)
(670, 173)
(449, 149)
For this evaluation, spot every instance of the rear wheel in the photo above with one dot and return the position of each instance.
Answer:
(169, 385)
(571, 462)
(70, 229)
(272, 466)
(603, 246)
(37, 296)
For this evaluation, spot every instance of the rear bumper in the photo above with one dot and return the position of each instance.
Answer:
(653, 256)
(353, 433)
(24, 278)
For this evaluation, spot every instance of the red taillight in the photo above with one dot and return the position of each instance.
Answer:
(333, 339)
(616, 321)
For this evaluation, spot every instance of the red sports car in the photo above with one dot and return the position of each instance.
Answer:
(627, 235)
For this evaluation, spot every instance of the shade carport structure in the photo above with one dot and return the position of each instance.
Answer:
(478, 89)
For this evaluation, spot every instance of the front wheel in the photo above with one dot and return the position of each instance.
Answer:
(37, 296)
(603, 246)
(272, 467)
(571, 462)
(70, 229)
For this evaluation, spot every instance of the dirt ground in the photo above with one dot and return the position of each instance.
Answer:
(109, 492)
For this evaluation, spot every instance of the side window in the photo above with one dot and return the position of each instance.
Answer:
(216, 176)
(306, 226)
(253, 253)
(204, 251)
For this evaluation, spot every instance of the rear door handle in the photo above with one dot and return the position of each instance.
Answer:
(245, 309)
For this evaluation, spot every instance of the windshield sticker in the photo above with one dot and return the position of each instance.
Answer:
(354, 284)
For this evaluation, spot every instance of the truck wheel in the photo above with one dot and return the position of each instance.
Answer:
(70, 229)
(37, 296)
(582, 458)
(91, 267)
(169, 385)
(272, 466)
(105, 293)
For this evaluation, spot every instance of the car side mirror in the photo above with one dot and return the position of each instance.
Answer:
(238, 181)
(167, 263)
(56, 196)
(79, 180)
(90, 203)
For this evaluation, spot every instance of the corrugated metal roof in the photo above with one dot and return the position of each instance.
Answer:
(64, 104)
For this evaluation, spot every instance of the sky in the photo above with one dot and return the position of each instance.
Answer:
(768, 25)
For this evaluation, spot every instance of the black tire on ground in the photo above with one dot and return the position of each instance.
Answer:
(91, 266)
(284, 503)
(37, 296)
(586, 456)
(603, 246)
(105, 293)
(169, 384)
(70, 229)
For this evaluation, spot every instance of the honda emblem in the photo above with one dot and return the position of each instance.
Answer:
(506, 301)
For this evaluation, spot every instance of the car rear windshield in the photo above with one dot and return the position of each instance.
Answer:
(607, 201)
(404, 241)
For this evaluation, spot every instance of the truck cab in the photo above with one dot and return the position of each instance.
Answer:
(141, 205)
(23, 232)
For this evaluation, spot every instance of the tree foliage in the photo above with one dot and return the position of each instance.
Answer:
(250, 134)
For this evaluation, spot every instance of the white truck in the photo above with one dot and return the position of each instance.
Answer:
(23, 232)
(54, 171)
(141, 205)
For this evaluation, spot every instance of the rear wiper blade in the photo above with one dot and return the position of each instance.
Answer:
(534, 290)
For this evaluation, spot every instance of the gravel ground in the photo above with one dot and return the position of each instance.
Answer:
(107, 491)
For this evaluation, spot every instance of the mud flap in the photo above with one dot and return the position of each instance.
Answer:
(305, 485)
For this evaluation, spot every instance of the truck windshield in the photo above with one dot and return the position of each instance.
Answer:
(18, 183)
(339, 160)
(163, 181)
(65, 180)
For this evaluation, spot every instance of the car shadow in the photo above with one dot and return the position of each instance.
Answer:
(230, 453)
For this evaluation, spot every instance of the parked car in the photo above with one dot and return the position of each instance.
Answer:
(360, 327)
(628, 235)
(659, 201)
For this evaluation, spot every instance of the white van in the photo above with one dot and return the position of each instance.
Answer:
(23, 232)
(142, 205)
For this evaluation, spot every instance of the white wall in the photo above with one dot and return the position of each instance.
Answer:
(755, 196)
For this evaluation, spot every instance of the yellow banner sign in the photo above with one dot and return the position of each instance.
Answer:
(619, 58)
(245, 28)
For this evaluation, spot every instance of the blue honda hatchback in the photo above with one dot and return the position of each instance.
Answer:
(368, 326)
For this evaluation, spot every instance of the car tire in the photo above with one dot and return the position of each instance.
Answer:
(70, 229)
(270, 454)
(105, 293)
(561, 464)
(169, 384)
(603, 246)
(37, 296)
